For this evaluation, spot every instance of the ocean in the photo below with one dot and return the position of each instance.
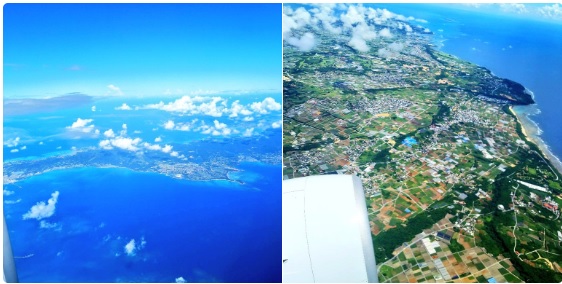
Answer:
(197, 231)
(514, 47)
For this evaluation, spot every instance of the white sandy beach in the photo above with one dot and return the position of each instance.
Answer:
(532, 133)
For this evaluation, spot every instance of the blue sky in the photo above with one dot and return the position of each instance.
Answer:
(140, 49)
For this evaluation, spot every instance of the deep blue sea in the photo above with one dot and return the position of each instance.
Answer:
(119, 225)
(213, 231)
(525, 50)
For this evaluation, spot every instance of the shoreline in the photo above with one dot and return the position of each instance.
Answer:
(532, 133)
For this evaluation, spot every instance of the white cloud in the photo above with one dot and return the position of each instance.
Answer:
(276, 124)
(214, 106)
(109, 133)
(105, 144)
(294, 19)
(263, 107)
(219, 125)
(236, 108)
(554, 11)
(396, 46)
(513, 8)
(385, 33)
(180, 280)
(114, 90)
(126, 143)
(14, 150)
(358, 44)
(46, 225)
(124, 126)
(97, 132)
(220, 128)
(169, 125)
(8, 193)
(124, 106)
(12, 142)
(305, 43)
(82, 125)
(324, 14)
(248, 132)
(248, 118)
(158, 139)
(23, 148)
(181, 126)
(131, 248)
(357, 24)
(93, 108)
(41, 143)
(245, 112)
(154, 147)
(12, 201)
(167, 148)
(354, 15)
(43, 210)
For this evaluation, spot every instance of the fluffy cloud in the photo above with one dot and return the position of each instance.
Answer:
(158, 139)
(217, 129)
(14, 150)
(358, 44)
(126, 143)
(114, 90)
(396, 46)
(210, 106)
(131, 248)
(93, 108)
(180, 280)
(294, 19)
(109, 133)
(513, 8)
(154, 147)
(124, 106)
(385, 33)
(248, 118)
(276, 124)
(354, 15)
(392, 50)
(8, 193)
(169, 125)
(12, 142)
(236, 108)
(193, 105)
(167, 148)
(265, 106)
(305, 43)
(357, 24)
(23, 148)
(181, 126)
(248, 132)
(324, 15)
(554, 11)
(43, 210)
(121, 142)
(82, 125)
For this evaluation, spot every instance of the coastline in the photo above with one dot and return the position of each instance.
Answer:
(532, 133)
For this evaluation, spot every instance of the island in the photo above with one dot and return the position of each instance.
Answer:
(455, 190)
